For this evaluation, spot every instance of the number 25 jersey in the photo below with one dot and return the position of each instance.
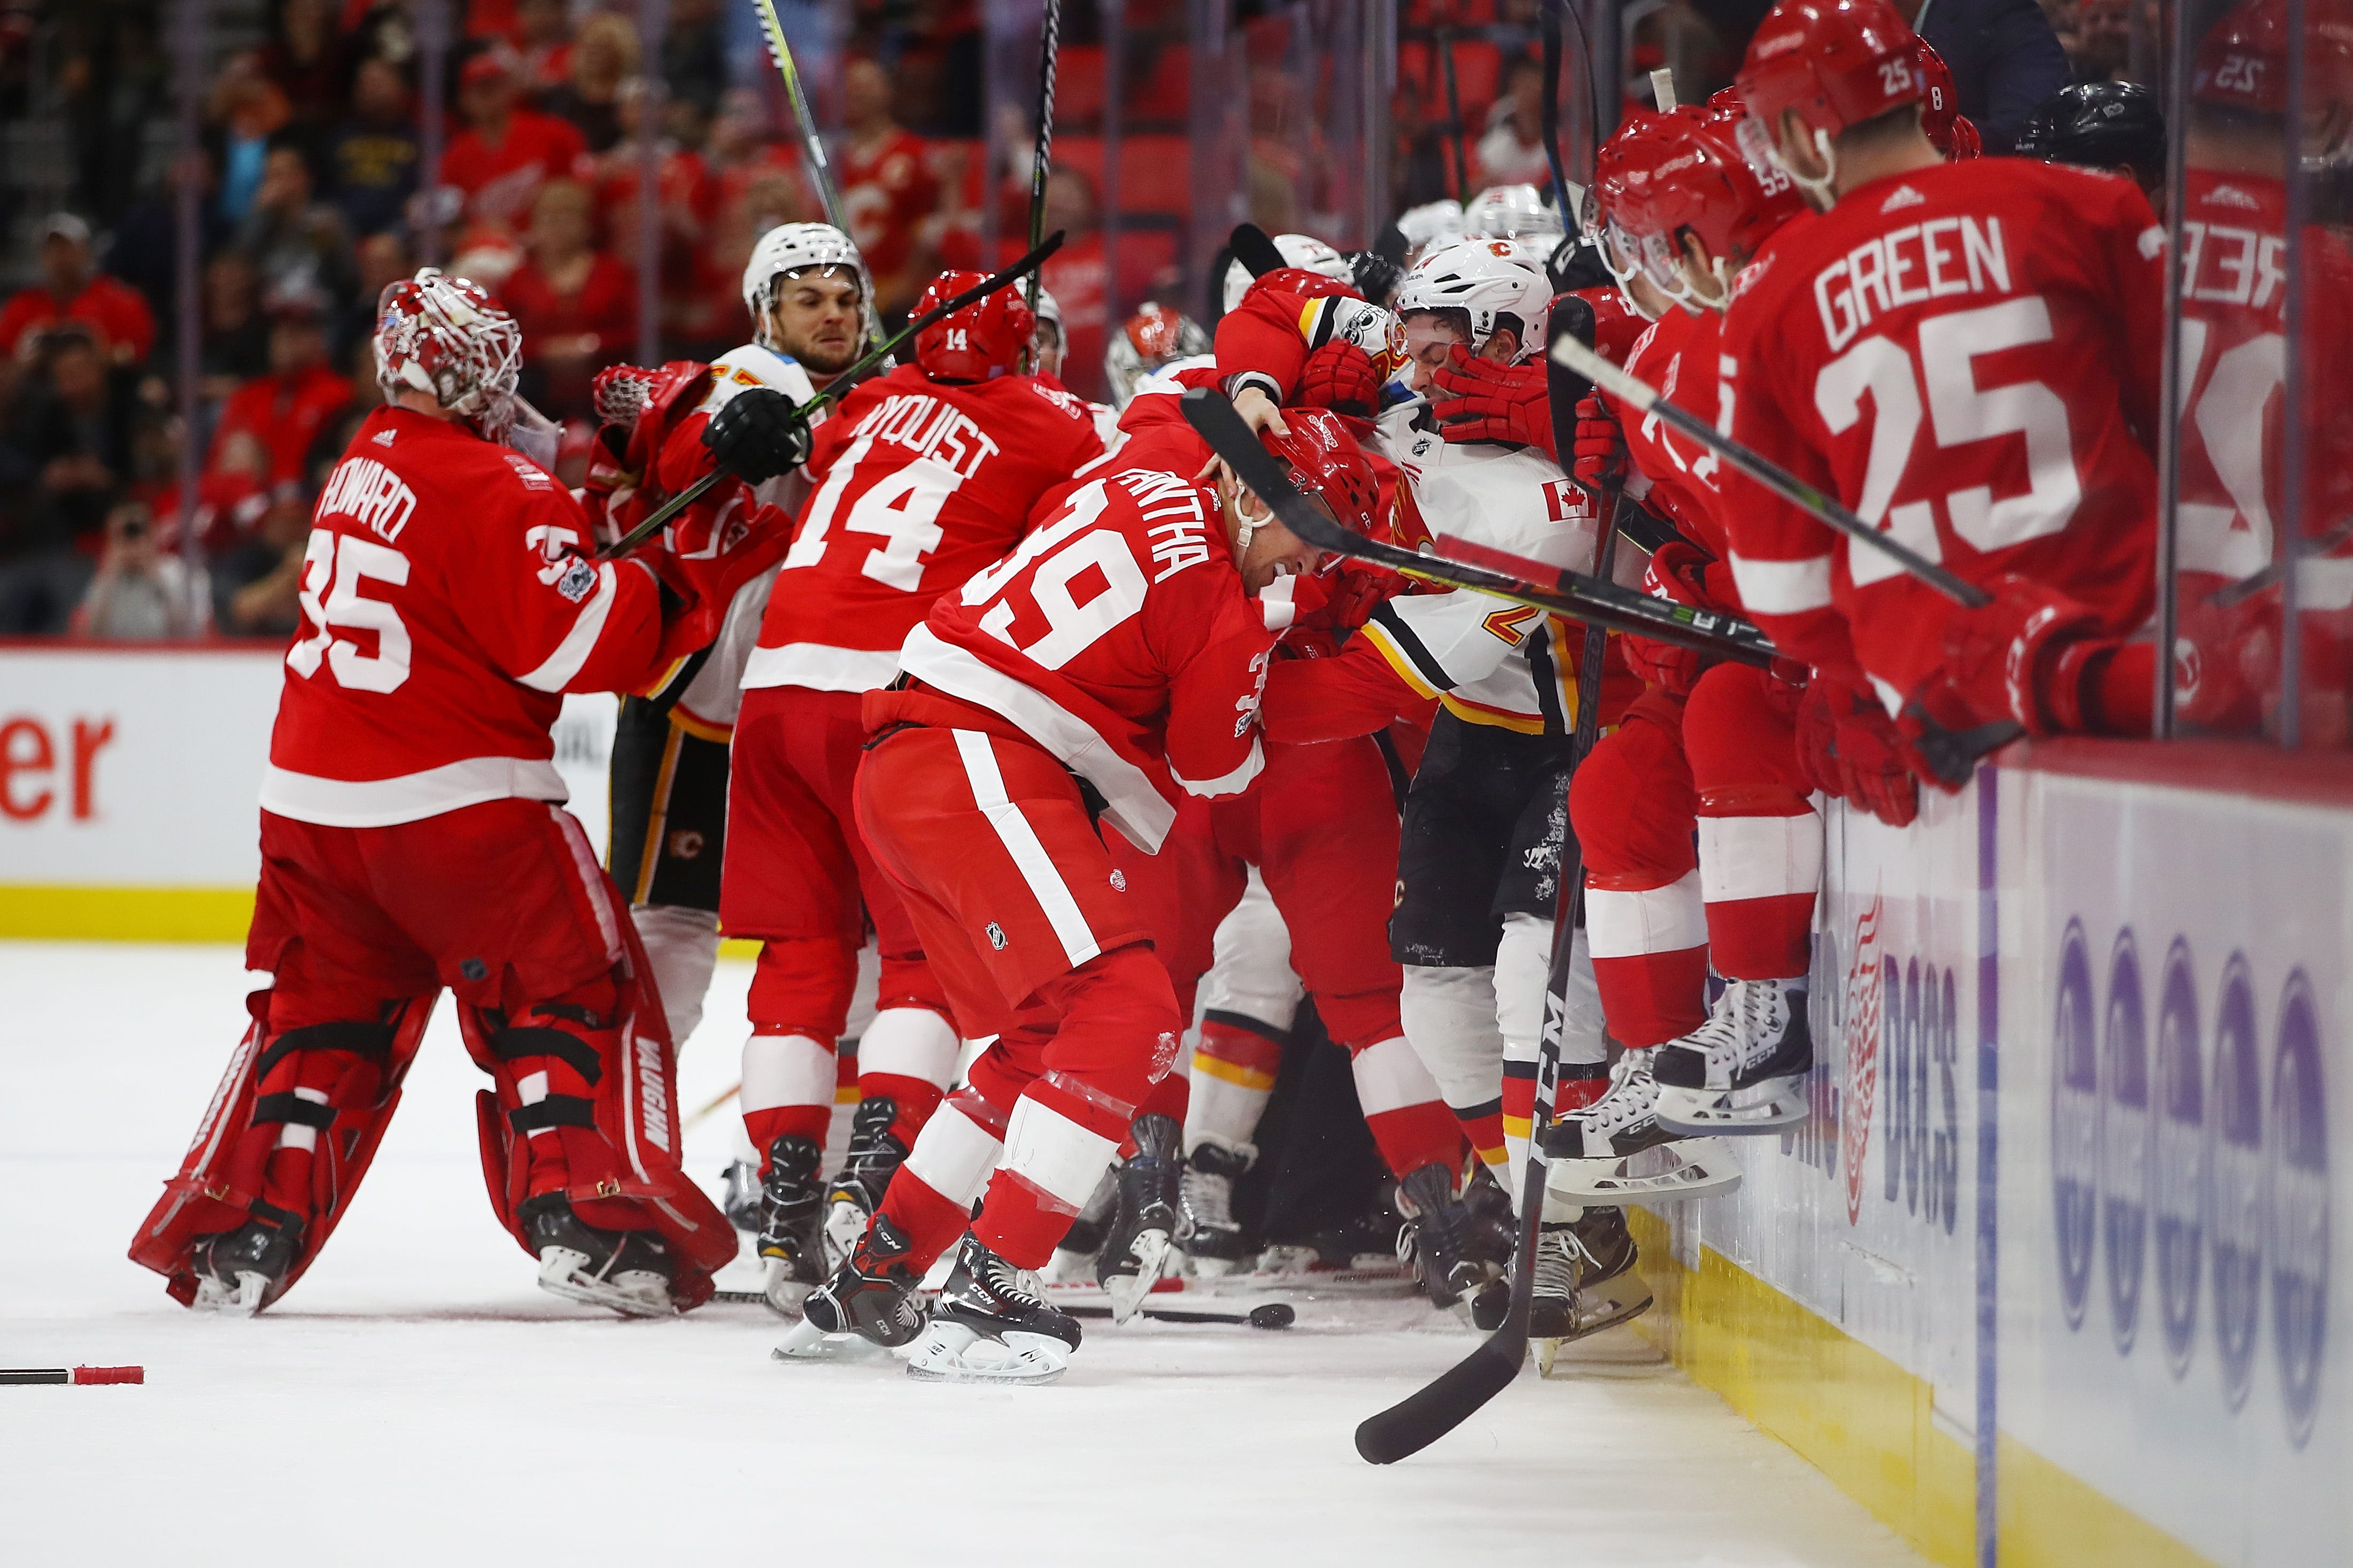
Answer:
(1968, 356)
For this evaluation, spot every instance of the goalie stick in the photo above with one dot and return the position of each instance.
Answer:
(1251, 247)
(846, 379)
(1041, 158)
(1639, 396)
(820, 171)
(1438, 1407)
(1572, 594)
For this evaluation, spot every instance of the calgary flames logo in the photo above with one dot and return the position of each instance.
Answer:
(1862, 988)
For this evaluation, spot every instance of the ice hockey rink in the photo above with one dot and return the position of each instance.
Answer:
(417, 1399)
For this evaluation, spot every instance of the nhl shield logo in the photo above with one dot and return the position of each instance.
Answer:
(996, 936)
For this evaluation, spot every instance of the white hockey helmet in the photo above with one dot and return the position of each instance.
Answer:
(1153, 337)
(1433, 226)
(792, 247)
(1298, 251)
(447, 337)
(1480, 285)
(1513, 212)
(1049, 347)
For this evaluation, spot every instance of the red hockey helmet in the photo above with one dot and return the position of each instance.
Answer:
(1686, 173)
(2242, 61)
(1835, 62)
(985, 339)
(445, 336)
(1940, 109)
(1326, 463)
(1306, 284)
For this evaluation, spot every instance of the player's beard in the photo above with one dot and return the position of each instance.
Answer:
(819, 360)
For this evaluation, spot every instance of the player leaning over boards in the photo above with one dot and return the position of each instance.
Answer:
(413, 837)
(1966, 354)
(1108, 667)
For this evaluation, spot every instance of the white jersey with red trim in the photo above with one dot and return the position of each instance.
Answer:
(447, 605)
(1487, 660)
(1118, 637)
(919, 484)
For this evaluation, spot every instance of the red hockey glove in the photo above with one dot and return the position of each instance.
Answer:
(2023, 657)
(706, 556)
(1849, 748)
(1342, 377)
(1479, 400)
(1674, 573)
(1599, 461)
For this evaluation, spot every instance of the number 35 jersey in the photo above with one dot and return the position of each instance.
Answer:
(447, 605)
(918, 484)
(1968, 356)
(1119, 638)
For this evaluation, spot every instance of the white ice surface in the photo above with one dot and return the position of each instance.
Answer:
(418, 1400)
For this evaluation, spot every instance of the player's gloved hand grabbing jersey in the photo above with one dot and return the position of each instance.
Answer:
(704, 558)
(758, 434)
(1677, 572)
(1481, 400)
(1599, 463)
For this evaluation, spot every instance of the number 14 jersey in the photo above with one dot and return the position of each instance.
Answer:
(1968, 356)
(919, 484)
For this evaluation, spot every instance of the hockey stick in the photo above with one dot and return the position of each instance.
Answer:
(2254, 583)
(1574, 594)
(848, 378)
(1549, 115)
(1041, 158)
(1639, 396)
(820, 171)
(1438, 1407)
(1267, 1315)
(1251, 247)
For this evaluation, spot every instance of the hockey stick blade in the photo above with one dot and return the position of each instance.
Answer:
(1572, 594)
(846, 379)
(1251, 247)
(1414, 1423)
(1641, 396)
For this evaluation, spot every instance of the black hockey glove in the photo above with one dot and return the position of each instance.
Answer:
(757, 435)
(1376, 276)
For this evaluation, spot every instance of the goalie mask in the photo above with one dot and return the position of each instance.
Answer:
(791, 247)
(1298, 251)
(447, 337)
(1153, 337)
(1482, 287)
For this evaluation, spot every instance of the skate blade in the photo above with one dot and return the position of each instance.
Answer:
(1765, 1107)
(1692, 1169)
(1211, 1267)
(247, 1298)
(629, 1303)
(1593, 1318)
(1068, 1269)
(807, 1343)
(1126, 1291)
(845, 1222)
(783, 1293)
(951, 1352)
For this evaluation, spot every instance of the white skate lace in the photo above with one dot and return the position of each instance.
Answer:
(1207, 1200)
(1748, 1020)
(1557, 1252)
(1631, 1095)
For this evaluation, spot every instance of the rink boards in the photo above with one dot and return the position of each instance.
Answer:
(2050, 1276)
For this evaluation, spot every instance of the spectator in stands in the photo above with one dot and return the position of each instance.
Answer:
(2004, 56)
(116, 314)
(115, 78)
(506, 151)
(235, 345)
(1512, 152)
(744, 151)
(577, 305)
(384, 260)
(1677, 37)
(887, 185)
(2102, 45)
(1421, 166)
(141, 591)
(546, 45)
(371, 159)
(245, 110)
(257, 585)
(1078, 276)
(694, 56)
(298, 245)
(284, 409)
(67, 455)
(685, 213)
(305, 58)
(604, 55)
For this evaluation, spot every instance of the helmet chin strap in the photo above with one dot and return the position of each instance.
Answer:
(1825, 189)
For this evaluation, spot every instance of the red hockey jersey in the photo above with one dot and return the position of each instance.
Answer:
(1119, 638)
(1968, 356)
(447, 604)
(1679, 478)
(919, 485)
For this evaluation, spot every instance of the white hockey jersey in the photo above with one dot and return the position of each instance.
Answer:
(1487, 660)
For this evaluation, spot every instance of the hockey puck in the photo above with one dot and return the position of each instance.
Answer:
(1272, 1315)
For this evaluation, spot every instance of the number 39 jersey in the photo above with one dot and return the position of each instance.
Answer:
(447, 604)
(1119, 638)
(1968, 356)
(918, 484)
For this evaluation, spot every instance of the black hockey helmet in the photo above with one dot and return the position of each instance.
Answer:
(2100, 125)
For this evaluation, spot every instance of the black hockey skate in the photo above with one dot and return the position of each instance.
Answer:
(628, 1271)
(1744, 1071)
(871, 1295)
(243, 1270)
(1441, 1236)
(991, 1326)
(874, 1157)
(1144, 1229)
(1615, 1151)
(1584, 1282)
(788, 1223)
(1212, 1239)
